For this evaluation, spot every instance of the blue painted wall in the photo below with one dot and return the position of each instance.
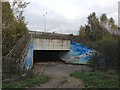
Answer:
(78, 53)
(29, 58)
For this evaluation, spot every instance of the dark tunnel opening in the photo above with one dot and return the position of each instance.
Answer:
(47, 55)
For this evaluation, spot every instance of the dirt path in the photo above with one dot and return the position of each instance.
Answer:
(60, 74)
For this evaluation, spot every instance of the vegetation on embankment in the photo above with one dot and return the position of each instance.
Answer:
(28, 82)
(13, 24)
(97, 34)
(98, 79)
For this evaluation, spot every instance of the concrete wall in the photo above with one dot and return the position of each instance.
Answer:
(51, 44)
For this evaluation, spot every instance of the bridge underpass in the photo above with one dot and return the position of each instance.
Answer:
(47, 55)
(49, 49)
(55, 49)
(44, 50)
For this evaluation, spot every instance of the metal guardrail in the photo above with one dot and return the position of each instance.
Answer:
(23, 55)
(17, 49)
(48, 35)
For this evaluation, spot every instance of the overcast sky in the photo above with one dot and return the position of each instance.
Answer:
(66, 16)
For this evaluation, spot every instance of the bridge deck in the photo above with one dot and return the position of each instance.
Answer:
(51, 44)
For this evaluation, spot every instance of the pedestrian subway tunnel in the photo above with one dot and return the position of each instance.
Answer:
(47, 55)
(77, 53)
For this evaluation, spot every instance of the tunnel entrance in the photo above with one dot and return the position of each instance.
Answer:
(47, 56)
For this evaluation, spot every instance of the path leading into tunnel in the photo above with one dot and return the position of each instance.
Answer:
(60, 74)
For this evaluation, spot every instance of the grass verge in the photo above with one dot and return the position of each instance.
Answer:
(98, 79)
(29, 82)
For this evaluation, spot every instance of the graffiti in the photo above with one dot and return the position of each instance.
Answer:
(29, 58)
(78, 54)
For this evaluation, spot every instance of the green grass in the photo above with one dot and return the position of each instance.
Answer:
(97, 79)
(29, 82)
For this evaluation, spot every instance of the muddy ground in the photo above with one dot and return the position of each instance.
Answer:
(60, 74)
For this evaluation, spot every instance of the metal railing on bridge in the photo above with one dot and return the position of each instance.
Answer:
(48, 35)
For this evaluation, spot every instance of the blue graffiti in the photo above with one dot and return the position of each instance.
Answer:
(29, 58)
(78, 54)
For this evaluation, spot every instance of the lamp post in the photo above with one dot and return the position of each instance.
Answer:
(45, 21)
(44, 30)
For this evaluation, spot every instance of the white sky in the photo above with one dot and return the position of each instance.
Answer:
(65, 16)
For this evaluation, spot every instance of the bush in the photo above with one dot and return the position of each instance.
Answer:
(108, 47)
(98, 62)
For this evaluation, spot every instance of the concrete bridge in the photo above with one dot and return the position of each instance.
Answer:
(43, 46)
(52, 47)
(50, 41)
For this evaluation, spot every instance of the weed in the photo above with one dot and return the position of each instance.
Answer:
(29, 82)
(97, 79)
